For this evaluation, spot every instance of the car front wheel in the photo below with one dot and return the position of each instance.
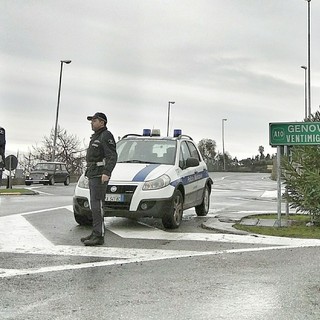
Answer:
(51, 181)
(203, 209)
(173, 218)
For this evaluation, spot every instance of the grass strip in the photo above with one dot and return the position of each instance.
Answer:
(298, 229)
(20, 191)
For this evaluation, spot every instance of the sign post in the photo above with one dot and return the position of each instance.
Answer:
(279, 195)
(11, 163)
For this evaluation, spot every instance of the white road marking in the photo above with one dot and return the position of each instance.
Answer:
(269, 194)
(162, 255)
(153, 233)
(40, 192)
(17, 235)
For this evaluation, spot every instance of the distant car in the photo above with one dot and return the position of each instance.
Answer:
(48, 173)
(154, 177)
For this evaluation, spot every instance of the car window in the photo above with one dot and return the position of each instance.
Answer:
(184, 155)
(58, 167)
(63, 167)
(44, 166)
(193, 151)
(146, 150)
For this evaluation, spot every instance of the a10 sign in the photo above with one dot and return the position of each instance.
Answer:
(294, 133)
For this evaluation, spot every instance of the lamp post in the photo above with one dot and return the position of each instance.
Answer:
(309, 54)
(169, 103)
(57, 113)
(305, 92)
(223, 153)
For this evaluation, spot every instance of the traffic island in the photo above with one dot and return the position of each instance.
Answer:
(17, 191)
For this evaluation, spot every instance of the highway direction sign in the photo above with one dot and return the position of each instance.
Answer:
(294, 133)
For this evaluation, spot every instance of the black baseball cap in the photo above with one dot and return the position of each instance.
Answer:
(98, 115)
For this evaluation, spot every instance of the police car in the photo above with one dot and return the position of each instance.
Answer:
(154, 177)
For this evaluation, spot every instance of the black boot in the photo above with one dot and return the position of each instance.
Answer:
(87, 237)
(94, 241)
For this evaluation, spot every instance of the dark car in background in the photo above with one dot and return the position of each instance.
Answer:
(48, 173)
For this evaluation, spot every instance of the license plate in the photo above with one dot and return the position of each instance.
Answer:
(114, 197)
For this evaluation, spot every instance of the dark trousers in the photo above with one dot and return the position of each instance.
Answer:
(97, 197)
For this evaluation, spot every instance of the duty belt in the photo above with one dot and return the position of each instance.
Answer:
(98, 164)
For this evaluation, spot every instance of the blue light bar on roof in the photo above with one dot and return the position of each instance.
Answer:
(146, 132)
(177, 132)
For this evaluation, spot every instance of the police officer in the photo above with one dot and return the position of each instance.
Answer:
(101, 159)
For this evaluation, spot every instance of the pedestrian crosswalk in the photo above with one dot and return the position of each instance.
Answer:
(19, 236)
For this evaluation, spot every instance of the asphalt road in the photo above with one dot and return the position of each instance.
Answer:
(146, 272)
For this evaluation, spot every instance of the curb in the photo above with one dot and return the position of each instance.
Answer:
(223, 224)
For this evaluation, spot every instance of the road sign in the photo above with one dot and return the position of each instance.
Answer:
(11, 162)
(294, 133)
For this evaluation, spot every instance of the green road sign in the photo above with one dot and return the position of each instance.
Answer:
(294, 133)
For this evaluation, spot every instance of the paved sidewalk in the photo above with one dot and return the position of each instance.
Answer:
(225, 222)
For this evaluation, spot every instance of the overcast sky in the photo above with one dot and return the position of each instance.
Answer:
(233, 59)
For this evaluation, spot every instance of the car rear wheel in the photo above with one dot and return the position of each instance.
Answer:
(203, 209)
(67, 181)
(173, 218)
(82, 220)
(28, 183)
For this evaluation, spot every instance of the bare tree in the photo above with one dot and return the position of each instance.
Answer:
(68, 150)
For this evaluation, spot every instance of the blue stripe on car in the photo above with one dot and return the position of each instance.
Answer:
(142, 174)
(190, 178)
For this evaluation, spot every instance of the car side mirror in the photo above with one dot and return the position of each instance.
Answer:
(192, 162)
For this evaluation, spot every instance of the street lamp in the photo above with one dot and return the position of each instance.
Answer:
(169, 103)
(224, 156)
(305, 92)
(57, 114)
(309, 54)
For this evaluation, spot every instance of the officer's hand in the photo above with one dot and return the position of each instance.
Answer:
(104, 178)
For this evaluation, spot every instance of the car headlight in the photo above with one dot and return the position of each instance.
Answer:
(46, 174)
(158, 183)
(83, 182)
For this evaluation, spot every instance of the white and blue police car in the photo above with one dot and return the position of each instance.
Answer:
(154, 177)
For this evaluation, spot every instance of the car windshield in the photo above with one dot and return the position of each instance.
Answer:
(146, 151)
(44, 166)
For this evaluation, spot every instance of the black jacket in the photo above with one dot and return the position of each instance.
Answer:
(102, 148)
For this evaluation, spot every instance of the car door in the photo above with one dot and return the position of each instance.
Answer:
(64, 172)
(199, 173)
(58, 177)
(188, 176)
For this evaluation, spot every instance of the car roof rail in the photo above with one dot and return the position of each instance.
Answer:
(184, 136)
(131, 135)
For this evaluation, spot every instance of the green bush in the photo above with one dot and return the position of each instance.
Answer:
(302, 177)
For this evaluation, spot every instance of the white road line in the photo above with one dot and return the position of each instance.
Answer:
(40, 192)
(70, 208)
(162, 255)
(16, 232)
(153, 233)
(269, 194)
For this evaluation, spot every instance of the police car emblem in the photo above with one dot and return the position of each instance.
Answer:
(113, 189)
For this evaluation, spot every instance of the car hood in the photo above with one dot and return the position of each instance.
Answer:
(138, 172)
